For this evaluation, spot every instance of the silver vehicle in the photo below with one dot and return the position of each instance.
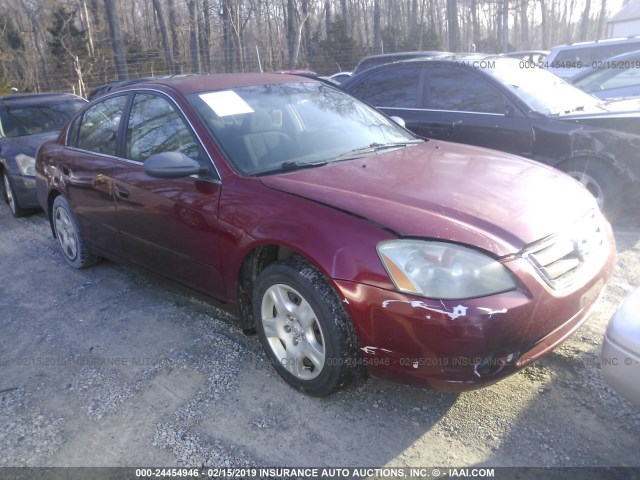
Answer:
(621, 349)
(566, 61)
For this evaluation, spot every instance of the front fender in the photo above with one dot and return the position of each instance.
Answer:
(341, 245)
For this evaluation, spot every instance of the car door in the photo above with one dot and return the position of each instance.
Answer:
(168, 225)
(90, 163)
(462, 106)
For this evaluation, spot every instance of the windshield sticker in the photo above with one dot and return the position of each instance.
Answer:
(226, 103)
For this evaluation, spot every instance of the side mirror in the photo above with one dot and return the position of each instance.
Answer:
(399, 121)
(171, 165)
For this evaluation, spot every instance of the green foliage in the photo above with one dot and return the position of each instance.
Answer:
(66, 38)
(420, 38)
(4, 88)
(339, 51)
(9, 34)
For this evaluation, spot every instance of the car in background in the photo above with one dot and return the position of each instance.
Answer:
(26, 122)
(533, 57)
(340, 77)
(371, 61)
(105, 88)
(616, 77)
(347, 242)
(500, 103)
(567, 61)
(621, 349)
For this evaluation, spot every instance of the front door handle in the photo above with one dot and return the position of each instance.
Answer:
(122, 192)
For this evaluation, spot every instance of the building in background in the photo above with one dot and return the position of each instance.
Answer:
(626, 22)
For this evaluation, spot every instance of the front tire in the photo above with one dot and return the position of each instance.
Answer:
(600, 179)
(74, 248)
(303, 327)
(10, 197)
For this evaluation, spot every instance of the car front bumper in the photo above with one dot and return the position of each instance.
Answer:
(620, 358)
(467, 344)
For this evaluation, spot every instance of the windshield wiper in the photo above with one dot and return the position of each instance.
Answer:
(374, 148)
(293, 165)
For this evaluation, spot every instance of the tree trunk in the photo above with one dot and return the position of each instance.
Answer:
(162, 25)
(205, 35)
(327, 16)
(377, 33)
(543, 24)
(524, 24)
(602, 31)
(226, 36)
(292, 32)
(117, 42)
(175, 38)
(584, 22)
(193, 36)
(452, 25)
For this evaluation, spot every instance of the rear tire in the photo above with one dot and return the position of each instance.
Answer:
(74, 248)
(304, 328)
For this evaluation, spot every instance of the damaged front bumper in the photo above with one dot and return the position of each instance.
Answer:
(460, 345)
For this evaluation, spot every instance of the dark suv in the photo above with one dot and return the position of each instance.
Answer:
(516, 107)
(26, 122)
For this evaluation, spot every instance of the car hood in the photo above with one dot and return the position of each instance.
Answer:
(28, 144)
(447, 191)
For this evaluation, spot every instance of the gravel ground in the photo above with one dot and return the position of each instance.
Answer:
(108, 367)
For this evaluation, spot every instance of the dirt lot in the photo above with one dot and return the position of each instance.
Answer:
(107, 367)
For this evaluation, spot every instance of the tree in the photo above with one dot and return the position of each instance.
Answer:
(117, 42)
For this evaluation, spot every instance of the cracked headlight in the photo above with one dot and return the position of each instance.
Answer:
(443, 270)
(26, 164)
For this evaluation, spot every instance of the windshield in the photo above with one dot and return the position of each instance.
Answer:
(622, 73)
(17, 121)
(267, 128)
(542, 91)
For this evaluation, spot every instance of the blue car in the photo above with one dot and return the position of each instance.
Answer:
(615, 77)
(26, 122)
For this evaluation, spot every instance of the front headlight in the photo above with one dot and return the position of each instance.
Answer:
(26, 164)
(443, 270)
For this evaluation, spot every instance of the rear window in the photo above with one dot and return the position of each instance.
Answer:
(17, 121)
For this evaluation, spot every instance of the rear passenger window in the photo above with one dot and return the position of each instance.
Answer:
(98, 126)
(394, 88)
(454, 89)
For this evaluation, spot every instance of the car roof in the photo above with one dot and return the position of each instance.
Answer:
(195, 83)
(595, 43)
(371, 61)
(35, 98)
(447, 57)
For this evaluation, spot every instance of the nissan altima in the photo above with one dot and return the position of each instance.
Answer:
(348, 244)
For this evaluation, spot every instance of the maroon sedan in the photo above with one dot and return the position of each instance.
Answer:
(345, 241)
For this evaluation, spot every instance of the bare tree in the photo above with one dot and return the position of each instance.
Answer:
(193, 36)
(452, 25)
(162, 25)
(117, 42)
